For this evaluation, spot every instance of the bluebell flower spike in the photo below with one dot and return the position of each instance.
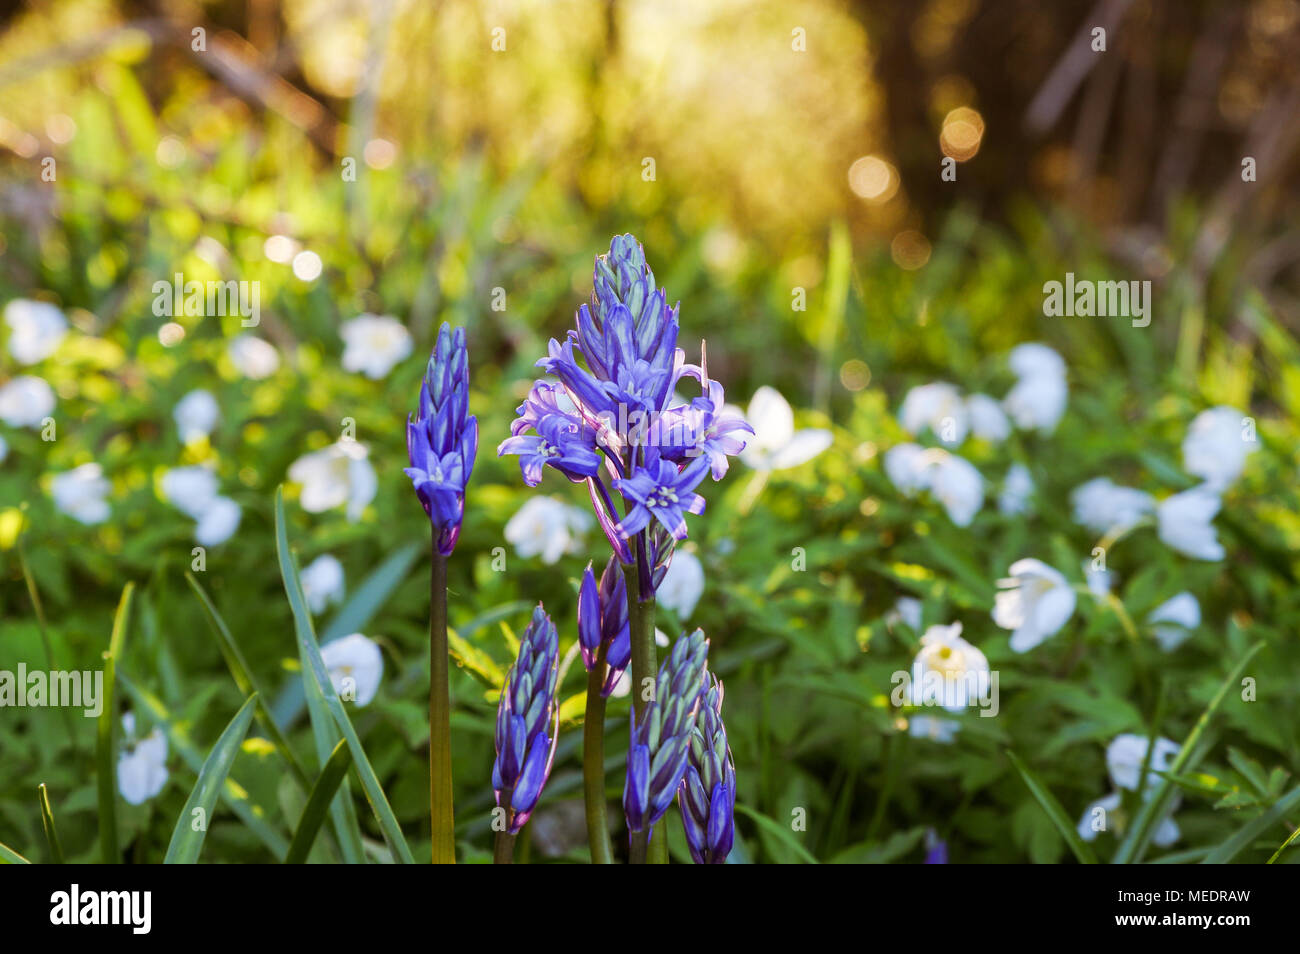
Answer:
(708, 790)
(527, 726)
(611, 397)
(660, 743)
(442, 438)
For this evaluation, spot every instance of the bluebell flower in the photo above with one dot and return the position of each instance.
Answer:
(661, 741)
(558, 443)
(661, 492)
(441, 439)
(525, 713)
(603, 622)
(708, 790)
(704, 427)
(608, 416)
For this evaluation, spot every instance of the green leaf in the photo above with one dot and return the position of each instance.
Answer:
(10, 857)
(47, 822)
(244, 680)
(1043, 795)
(106, 729)
(186, 842)
(1250, 770)
(325, 734)
(1241, 839)
(1198, 782)
(873, 853)
(1139, 835)
(780, 832)
(233, 796)
(322, 794)
(314, 666)
(371, 595)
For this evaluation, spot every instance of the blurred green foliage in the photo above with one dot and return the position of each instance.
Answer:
(197, 183)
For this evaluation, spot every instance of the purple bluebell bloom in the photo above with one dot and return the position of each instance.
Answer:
(558, 443)
(608, 416)
(661, 492)
(441, 439)
(660, 743)
(603, 622)
(527, 710)
(704, 427)
(708, 791)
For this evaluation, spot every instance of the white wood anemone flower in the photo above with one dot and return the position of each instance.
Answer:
(1185, 523)
(82, 493)
(948, 670)
(356, 667)
(35, 329)
(196, 415)
(336, 476)
(142, 763)
(1172, 621)
(547, 528)
(683, 585)
(26, 401)
(322, 583)
(776, 445)
(1034, 602)
(1217, 444)
(374, 344)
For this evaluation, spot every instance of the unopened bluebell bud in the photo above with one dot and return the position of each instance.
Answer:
(527, 722)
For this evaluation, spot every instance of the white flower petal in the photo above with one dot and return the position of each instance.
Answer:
(356, 667)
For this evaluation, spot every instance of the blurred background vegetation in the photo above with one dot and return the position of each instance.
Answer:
(794, 146)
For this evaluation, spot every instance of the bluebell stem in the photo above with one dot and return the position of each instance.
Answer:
(527, 723)
(708, 790)
(661, 738)
(441, 441)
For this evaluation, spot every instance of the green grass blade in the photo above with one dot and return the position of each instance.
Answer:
(1135, 843)
(34, 594)
(314, 666)
(106, 730)
(244, 680)
(1282, 847)
(780, 832)
(10, 857)
(1043, 795)
(325, 733)
(356, 613)
(47, 822)
(1187, 857)
(186, 842)
(322, 794)
(1240, 840)
(233, 796)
